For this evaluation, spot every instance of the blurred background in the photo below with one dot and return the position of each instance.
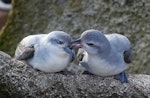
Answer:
(128, 17)
(5, 6)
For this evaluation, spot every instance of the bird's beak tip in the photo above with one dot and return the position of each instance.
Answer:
(70, 52)
(76, 46)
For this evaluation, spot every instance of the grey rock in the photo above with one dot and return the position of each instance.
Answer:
(23, 81)
(5, 61)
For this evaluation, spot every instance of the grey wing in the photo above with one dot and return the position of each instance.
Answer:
(121, 44)
(23, 52)
(80, 55)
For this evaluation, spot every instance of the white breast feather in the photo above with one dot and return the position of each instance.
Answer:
(101, 67)
(52, 60)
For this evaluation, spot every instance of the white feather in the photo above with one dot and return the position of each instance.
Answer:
(101, 67)
(49, 59)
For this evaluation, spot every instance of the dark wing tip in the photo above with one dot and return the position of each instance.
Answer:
(128, 56)
(28, 53)
(23, 53)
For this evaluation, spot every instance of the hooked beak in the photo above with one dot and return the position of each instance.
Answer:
(76, 44)
(70, 52)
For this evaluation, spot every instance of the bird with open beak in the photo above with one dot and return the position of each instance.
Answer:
(104, 55)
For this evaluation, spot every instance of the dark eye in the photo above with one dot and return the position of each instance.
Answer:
(60, 42)
(90, 44)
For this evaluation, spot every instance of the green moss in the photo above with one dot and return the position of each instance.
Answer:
(76, 5)
(57, 8)
(4, 91)
(116, 14)
(20, 24)
(106, 1)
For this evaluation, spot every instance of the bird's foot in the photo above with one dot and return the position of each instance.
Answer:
(122, 77)
(87, 73)
(66, 73)
(37, 70)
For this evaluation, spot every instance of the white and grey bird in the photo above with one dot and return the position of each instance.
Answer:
(5, 5)
(46, 52)
(104, 55)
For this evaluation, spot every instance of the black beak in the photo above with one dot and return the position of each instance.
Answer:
(76, 44)
(70, 52)
(78, 41)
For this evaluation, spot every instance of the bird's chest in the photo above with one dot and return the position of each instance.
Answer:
(99, 66)
(55, 59)
(95, 62)
(59, 60)
(50, 61)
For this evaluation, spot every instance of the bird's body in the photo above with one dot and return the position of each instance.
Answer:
(114, 59)
(104, 55)
(49, 51)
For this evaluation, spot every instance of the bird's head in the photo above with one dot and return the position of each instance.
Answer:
(59, 38)
(60, 41)
(92, 41)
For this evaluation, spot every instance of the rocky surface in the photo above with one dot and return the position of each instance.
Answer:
(19, 80)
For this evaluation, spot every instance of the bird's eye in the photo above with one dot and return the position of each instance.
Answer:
(90, 44)
(60, 42)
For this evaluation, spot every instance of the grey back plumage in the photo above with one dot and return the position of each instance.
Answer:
(25, 49)
(122, 45)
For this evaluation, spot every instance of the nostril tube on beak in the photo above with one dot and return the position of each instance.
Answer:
(76, 44)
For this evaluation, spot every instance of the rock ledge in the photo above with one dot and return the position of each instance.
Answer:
(19, 80)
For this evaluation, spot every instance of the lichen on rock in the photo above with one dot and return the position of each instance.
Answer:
(19, 80)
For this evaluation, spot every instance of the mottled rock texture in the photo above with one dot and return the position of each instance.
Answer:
(127, 17)
(17, 80)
